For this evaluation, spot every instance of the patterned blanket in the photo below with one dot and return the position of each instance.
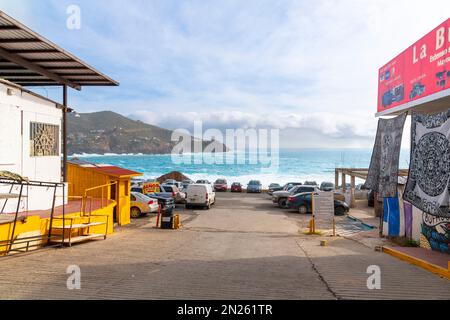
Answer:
(383, 171)
(428, 186)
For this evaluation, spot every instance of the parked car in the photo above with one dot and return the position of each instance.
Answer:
(221, 185)
(137, 181)
(180, 197)
(281, 197)
(202, 182)
(310, 183)
(200, 195)
(236, 187)
(142, 205)
(348, 186)
(290, 185)
(185, 184)
(327, 186)
(166, 200)
(274, 187)
(303, 204)
(285, 187)
(254, 186)
(172, 182)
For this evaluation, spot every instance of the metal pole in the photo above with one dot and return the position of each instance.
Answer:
(64, 133)
(15, 219)
(64, 215)
(50, 229)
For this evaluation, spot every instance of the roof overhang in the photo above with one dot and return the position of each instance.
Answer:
(28, 59)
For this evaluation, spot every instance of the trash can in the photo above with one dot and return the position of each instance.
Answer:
(167, 219)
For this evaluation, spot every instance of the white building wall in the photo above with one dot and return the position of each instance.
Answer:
(17, 110)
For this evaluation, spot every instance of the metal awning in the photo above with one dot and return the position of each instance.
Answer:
(28, 59)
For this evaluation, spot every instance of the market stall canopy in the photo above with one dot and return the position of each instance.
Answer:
(28, 59)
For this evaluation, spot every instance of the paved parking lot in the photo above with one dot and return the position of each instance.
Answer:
(244, 248)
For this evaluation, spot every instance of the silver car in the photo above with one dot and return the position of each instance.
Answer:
(281, 197)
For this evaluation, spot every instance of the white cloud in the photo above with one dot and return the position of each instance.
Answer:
(306, 65)
(328, 124)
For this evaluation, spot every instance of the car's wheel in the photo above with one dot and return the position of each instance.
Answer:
(135, 213)
(339, 211)
(282, 203)
(303, 209)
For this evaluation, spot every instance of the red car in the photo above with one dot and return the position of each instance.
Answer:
(236, 187)
(221, 185)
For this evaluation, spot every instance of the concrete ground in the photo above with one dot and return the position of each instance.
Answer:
(243, 248)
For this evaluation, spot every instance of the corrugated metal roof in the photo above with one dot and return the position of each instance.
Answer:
(28, 59)
(117, 171)
(105, 168)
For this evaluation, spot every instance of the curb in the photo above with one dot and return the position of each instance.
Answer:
(418, 262)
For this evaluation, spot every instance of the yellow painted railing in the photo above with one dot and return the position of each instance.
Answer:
(103, 199)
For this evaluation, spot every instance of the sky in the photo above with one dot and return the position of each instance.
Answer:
(308, 68)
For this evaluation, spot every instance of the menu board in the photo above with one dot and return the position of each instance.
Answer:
(323, 204)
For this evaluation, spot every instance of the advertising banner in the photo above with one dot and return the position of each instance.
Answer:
(420, 71)
(152, 187)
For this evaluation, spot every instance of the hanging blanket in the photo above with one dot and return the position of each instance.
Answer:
(383, 171)
(428, 185)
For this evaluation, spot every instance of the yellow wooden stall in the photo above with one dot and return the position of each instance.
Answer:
(104, 183)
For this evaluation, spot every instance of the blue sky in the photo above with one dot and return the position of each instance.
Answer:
(307, 67)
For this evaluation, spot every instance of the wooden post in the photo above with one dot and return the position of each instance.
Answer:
(336, 179)
(344, 187)
(352, 192)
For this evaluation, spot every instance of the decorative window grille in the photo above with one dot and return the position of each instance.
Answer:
(44, 139)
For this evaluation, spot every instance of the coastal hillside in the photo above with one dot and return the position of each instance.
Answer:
(109, 132)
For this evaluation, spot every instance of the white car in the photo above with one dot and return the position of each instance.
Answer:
(141, 204)
(200, 195)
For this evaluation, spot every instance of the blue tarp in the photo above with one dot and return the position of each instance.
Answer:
(392, 216)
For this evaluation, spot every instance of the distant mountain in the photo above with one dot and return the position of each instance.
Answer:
(109, 132)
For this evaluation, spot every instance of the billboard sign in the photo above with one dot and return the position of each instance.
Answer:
(420, 71)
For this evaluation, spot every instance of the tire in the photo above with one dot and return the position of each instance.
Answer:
(303, 209)
(135, 213)
(282, 203)
(339, 211)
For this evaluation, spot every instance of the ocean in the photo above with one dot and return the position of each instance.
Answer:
(293, 165)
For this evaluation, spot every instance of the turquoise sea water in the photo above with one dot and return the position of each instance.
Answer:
(294, 165)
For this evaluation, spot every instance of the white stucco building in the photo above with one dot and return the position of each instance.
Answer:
(30, 142)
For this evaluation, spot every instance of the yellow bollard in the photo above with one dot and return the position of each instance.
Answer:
(177, 222)
(312, 226)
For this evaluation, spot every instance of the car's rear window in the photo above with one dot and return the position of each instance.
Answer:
(168, 188)
(221, 182)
